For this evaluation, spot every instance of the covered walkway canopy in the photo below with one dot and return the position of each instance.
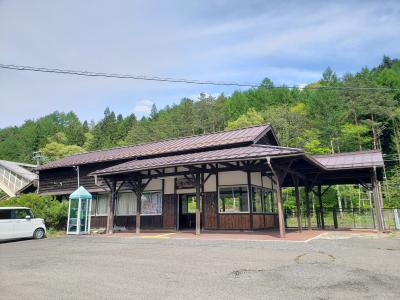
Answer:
(287, 167)
(16, 177)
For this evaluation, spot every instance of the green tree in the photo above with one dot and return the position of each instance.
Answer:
(251, 117)
(54, 151)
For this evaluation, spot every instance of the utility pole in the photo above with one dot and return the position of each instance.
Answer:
(37, 155)
(76, 168)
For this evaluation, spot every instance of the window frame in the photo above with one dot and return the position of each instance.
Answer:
(161, 202)
(271, 191)
(116, 213)
(234, 186)
(96, 211)
(262, 199)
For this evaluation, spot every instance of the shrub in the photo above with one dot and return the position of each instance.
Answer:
(54, 212)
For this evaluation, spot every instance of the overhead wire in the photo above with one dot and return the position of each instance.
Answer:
(183, 80)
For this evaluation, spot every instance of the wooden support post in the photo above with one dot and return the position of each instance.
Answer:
(307, 193)
(251, 200)
(377, 200)
(280, 177)
(280, 210)
(217, 198)
(198, 216)
(138, 204)
(111, 207)
(202, 195)
(298, 206)
(321, 206)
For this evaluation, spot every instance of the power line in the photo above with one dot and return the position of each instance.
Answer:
(182, 80)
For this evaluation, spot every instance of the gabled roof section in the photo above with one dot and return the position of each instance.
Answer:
(232, 154)
(20, 169)
(241, 136)
(351, 160)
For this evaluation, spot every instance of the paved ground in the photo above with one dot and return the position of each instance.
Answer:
(330, 267)
(267, 235)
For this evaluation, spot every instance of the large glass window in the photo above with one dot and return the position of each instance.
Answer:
(126, 204)
(270, 205)
(267, 195)
(189, 204)
(101, 204)
(233, 199)
(152, 203)
(93, 208)
(257, 199)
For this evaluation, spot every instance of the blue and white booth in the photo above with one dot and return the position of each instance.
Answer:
(80, 203)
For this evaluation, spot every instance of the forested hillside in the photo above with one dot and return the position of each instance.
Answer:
(319, 118)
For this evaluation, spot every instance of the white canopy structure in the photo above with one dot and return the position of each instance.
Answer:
(16, 177)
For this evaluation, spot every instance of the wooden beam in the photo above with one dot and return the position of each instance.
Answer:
(207, 177)
(298, 206)
(202, 199)
(377, 200)
(217, 204)
(111, 208)
(321, 206)
(198, 204)
(307, 194)
(279, 176)
(250, 200)
(280, 211)
(138, 205)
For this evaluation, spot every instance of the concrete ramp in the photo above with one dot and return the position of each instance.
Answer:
(15, 177)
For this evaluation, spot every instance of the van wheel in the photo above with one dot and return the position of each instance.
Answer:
(38, 234)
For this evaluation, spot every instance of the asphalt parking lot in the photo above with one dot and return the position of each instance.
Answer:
(135, 268)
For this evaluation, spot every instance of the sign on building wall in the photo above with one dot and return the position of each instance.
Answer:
(185, 183)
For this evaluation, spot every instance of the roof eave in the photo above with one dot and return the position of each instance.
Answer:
(192, 164)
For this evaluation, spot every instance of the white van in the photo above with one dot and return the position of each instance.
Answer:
(19, 222)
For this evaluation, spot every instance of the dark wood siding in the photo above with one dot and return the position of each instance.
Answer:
(258, 221)
(64, 180)
(270, 221)
(145, 221)
(210, 210)
(169, 210)
(98, 222)
(234, 221)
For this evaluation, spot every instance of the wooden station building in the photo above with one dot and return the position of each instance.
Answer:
(230, 180)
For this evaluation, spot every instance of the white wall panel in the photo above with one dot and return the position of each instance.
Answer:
(232, 178)
(209, 186)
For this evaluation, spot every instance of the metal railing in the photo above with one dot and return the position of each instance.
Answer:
(334, 218)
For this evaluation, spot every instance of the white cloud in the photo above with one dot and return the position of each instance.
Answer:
(289, 42)
(143, 107)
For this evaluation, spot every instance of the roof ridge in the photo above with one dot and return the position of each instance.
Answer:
(347, 153)
(171, 139)
(277, 147)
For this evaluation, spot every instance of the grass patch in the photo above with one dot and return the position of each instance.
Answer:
(53, 233)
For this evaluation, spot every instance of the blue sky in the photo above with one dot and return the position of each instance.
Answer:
(291, 42)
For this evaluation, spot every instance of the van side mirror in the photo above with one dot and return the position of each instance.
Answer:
(28, 217)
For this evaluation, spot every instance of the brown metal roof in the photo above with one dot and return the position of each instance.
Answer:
(232, 154)
(351, 160)
(217, 139)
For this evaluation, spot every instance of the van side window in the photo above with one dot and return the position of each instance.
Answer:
(5, 214)
(21, 213)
